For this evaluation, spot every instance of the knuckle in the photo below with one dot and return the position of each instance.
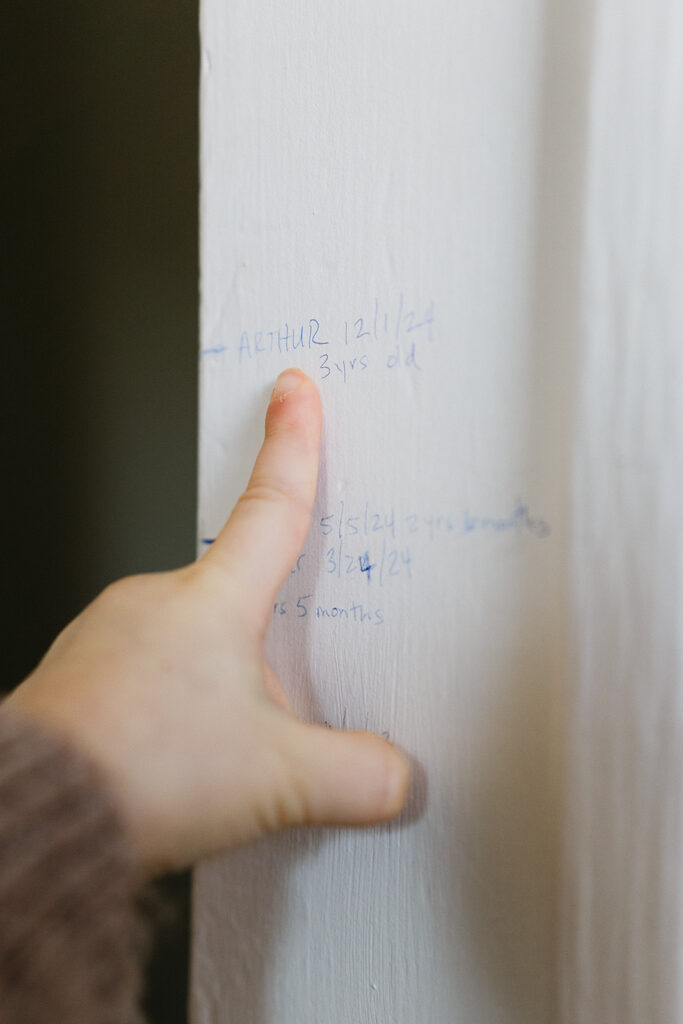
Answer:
(275, 494)
(290, 804)
(129, 594)
(120, 592)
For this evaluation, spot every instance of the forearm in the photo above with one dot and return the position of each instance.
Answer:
(69, 937)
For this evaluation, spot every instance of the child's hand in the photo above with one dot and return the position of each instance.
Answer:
(162, 680)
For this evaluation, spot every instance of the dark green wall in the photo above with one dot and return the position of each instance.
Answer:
(99, 299)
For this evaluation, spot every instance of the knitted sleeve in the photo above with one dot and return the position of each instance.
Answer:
(69, 933)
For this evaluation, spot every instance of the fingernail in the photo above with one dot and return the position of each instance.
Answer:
(287, 382)
(398, 784)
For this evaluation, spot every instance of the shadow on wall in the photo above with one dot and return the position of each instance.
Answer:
(509, 860)
(99, 188)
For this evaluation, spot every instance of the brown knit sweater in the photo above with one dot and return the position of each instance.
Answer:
(69, 931)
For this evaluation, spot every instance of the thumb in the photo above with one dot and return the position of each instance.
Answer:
(343, 778)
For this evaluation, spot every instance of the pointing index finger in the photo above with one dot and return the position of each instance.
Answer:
(264, 535)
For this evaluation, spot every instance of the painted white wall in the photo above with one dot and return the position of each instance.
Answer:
(368, 167)
(622, 901)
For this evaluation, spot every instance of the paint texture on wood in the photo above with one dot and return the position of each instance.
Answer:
(623, 897)
(460, 221)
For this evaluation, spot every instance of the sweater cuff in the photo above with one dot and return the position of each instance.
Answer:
(70, 936)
